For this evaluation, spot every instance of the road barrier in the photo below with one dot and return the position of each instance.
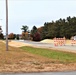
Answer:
(73, 42)
(59, 41)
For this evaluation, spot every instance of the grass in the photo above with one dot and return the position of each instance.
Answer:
(16, 56)
(52, 54)
(29, 59)
(13, 55)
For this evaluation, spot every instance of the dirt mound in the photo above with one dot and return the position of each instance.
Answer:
(47, 41)
(68, 42)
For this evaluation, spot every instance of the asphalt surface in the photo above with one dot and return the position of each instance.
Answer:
(50, 45)
(42, 73)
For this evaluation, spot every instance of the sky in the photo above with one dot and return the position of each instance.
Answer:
(34, 13)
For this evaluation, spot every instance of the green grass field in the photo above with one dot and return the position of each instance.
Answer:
(52, 54)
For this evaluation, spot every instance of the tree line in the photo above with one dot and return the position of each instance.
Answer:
(59, 28)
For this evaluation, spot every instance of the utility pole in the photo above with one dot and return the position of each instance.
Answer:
(6, 25)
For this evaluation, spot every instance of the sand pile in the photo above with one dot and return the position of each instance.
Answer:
(47, 41)
(67, 42)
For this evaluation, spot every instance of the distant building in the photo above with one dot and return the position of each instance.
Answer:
(75, 37)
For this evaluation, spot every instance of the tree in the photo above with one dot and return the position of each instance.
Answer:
(25, 31)
(34, 30)
(25, 35)
(35, 34)
(45, 31)
(40, 29)
(24, 28)
(60, 28)
(11, 36)
(1, 34)
(17, 36)
(37, 37)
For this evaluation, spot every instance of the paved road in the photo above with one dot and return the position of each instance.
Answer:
(44, 73)
(48, 45)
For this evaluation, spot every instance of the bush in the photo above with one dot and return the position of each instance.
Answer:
(17, 36)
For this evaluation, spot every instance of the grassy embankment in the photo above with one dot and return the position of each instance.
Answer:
(15, 54)
(29, 59)
(52, 54)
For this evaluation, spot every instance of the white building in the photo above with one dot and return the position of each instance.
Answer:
(75, 37)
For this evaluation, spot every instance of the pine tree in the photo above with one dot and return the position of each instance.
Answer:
(1, 34)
